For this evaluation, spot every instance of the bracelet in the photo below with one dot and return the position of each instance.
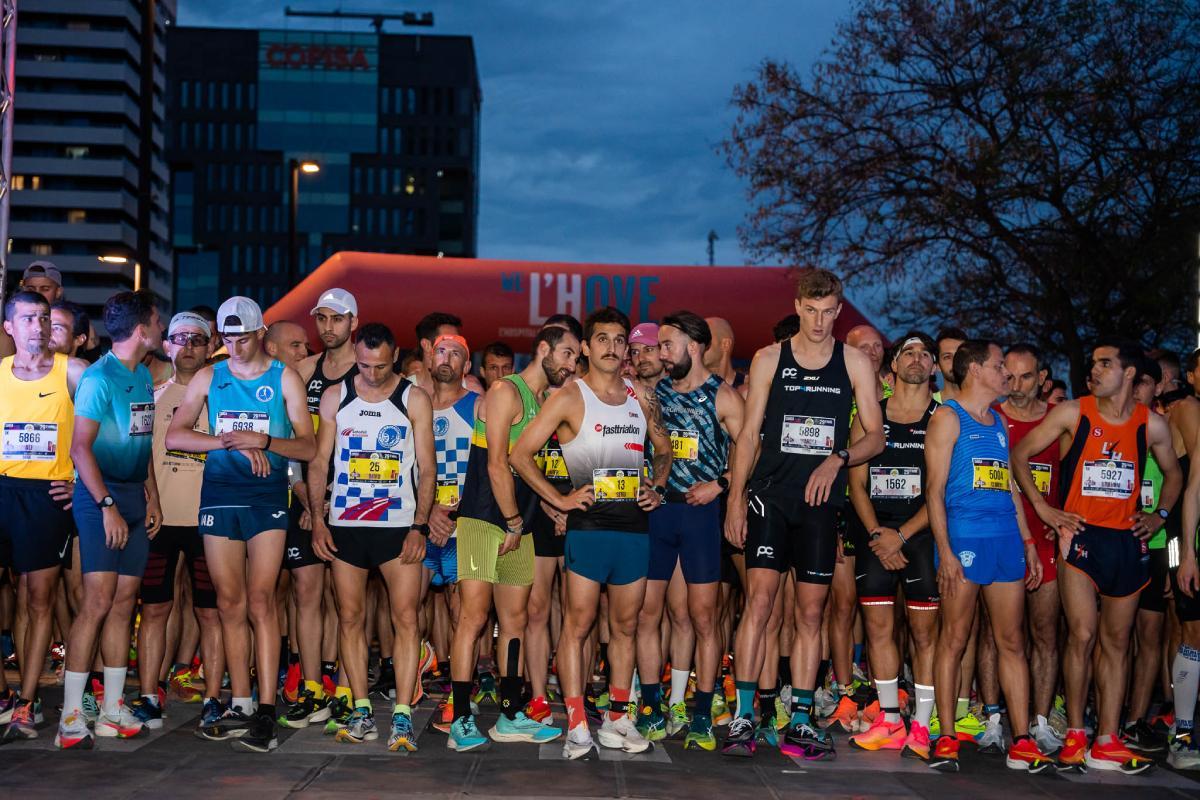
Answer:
(268, 445)
(900, 533)
(514, 516)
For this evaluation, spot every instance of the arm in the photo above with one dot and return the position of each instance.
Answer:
(420, 413)
(555, 412)
(181, 435)
(1059, 421)
(318, 471)
(939, 447)
(745, 450)
(153, 505)
(865, 383)
(75, 368)
(1033, 563)
(1188, 576)
(730, 410)
(660, 440)
(1158, 435)
(301, 445)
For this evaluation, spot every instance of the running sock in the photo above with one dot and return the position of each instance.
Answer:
(766, 705)
(576, 716)
(365, 705)
(293, 658)
(785, 670)
(964, 704)
(316, 687)
(618, 700)
(460, 692)
(889, 699)
(989, 709)
(387, 664)
(651, 694)
(96, 676)
(266, 710)
(73, 685)
(679, 684)
(745, 698)
(924, 709)
(510, 696)
(402, 708)
(703, 705)
(344, 693)
(152, 699)
(858, 652)
(802, 702)
(329, 668)
(1185, 674)
(114, 689)
(245, 704)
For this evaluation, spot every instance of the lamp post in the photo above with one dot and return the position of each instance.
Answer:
(137, 268)
(295, 167)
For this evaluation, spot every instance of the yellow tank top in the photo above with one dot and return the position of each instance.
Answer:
(38, 418)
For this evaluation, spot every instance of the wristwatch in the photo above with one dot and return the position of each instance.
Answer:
(662, 492)
(723, 482)
(106, 502)
(1162, 512)
(422, 529)
(844, 455)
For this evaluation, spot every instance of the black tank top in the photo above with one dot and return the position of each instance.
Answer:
(318, 383)
(896, 481)
(807, 418)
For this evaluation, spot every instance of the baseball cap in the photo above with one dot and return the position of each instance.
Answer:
(339, 300)
(239, 315)
(42, 269)
(645, 333)
(187, 319)
(449, 337)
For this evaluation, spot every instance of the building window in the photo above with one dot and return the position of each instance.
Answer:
(77, 151)
(18, 183)
(183, 94)
(237, 96)
(42, 249)
(76, 216)
(224, 94)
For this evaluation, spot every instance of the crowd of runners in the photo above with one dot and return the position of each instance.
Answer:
(615, 539)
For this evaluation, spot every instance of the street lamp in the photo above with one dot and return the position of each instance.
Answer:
(295, 167)
(137, 268)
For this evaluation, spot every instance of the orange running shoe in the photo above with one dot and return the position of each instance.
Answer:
(945, 755)
(869, 714)
(845, 717)
(882, 735)
(291, 684)
(1025, 755)
(1114, 755)
(916, 745)
(1072, 758)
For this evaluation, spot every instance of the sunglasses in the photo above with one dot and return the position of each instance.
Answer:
(188, 340)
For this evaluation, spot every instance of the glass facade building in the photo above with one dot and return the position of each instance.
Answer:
(391, 120)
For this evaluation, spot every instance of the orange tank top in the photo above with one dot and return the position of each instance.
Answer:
(1102, 471)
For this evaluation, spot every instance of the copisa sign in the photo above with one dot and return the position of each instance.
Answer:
(284, 55)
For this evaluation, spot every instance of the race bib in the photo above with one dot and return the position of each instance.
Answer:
(685, 445)
(616, 484)
(1041, 477)
(230, 421)
(374, 467)
(989, 474)
(447, 492)
(551, 462)
(809, 436)
(30, 441)
(1147, 498)
(1113, 479)
(895, 483)
(141, 419)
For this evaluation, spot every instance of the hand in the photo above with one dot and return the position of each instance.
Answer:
(243, 440)
(153, 517)
(579, 499)
(894, 563)
(511, 542)
(260, 467)
(1065, 523)
(441, 527)
(414, 548)
(300, 494)
(949, 574)
(701, 494)
(820, 482)
(116, 531)
(63, 492)
(305, 521)
(322, 541)
(735, 522)
(1146, 525)
(648, 499)
(557, 517)
(1033, 566)
(1188, 576)
(887, 544)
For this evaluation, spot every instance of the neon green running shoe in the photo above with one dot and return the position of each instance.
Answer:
(700, 737)
(969, 728)
(935, 727)
(720, 711)
(677, 719)
(651, 724)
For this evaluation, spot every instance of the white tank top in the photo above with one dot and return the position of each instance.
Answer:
(375, 461)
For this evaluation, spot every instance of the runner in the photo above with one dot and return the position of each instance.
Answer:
(69, 326)
(378, 429)
(36, 391)
(431, 326)
(116, 510)
(498, 361)
(798, 410)
(643, 354)
(254, 406)
(602, 424)
(866, 339)
(974, 513)
(495, 554)
(178, 476)
(948, 340)
(287, 342)
(1184, 744)
(893, 547)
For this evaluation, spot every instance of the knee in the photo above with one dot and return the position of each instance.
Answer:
(1081, 636)
(879, 627)
(404, 620)
(207, 617)
(260, 603)
(758, 609)
(39, 600)
(703, 622)
(155, 612)
(808, 620)
(680, 620)
(538, 612)
(1011, 641)
(471, 620)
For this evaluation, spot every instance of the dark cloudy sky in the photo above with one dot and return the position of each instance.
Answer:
(600, 119)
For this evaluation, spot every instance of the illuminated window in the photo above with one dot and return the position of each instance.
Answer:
(18, 183)
(42, 250)
(76, 216)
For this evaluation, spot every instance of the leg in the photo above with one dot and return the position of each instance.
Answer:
(762, 588)
(1082, 617)
(1006, 607)
(579, 614)
(624, 601)
(958, 618)
(649, 641)
(1116, 626)
(226, 559)
(843, 604)
(264, 557)
(403, 589)
(1043, 606)
(38, 587)
(702, 609)
(537, 632)
(350, 584)
(308, 589)
(152, 635)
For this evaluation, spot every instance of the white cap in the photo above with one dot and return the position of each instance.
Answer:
(239, 315)
(185, 319)
(338, 300)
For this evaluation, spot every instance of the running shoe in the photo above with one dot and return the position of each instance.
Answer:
(590, 709)
(968, 728)
(700, 736)
(1117, 757)
(1183, 750)
(522, 729)
(91, 707)
(487, 690)
(825, 703)
(121, 725)
(20, 725)
(1058, 717)
(945, 755)
(292, 684)
(1163, 720)
(916, 744)
(845, 718)
(1073, 756)
(1141, 737)
(578, 743)
(622, 734)
(935, 727)
(232, 724)
(651, 724)
(992, 738)
(402, 736)
(182, 688)
(740, 740)
(1047, 740)
(8, 701)
(361, 728)
(780, 721)
(73, 732)
(307, 710)
(729, 689)
(385, 684)
(259, 736)
(427, 662)
(1025, 755)
(720, 711)
(340, 711)
(149, 712)
(538, 709)
(211, 712)
(882, 735)
(465, 735)
(802, 741)
(677, 720)
(767, 732)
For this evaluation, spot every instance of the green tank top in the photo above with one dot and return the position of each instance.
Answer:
(529, 410)
(1152, 479)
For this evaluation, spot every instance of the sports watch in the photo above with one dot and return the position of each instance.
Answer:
(106, 502)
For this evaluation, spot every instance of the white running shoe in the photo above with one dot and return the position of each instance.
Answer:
(1047, 740)
(622, 734)
(121, 725)
(578, 743)
(992, 738)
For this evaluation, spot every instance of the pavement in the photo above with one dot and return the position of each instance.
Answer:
(172, 763)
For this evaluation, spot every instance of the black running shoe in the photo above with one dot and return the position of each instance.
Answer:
(259, 736)
(233, 724)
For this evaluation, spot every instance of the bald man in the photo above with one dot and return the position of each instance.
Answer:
(718, 358)
(287, 342)
(868, 340)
